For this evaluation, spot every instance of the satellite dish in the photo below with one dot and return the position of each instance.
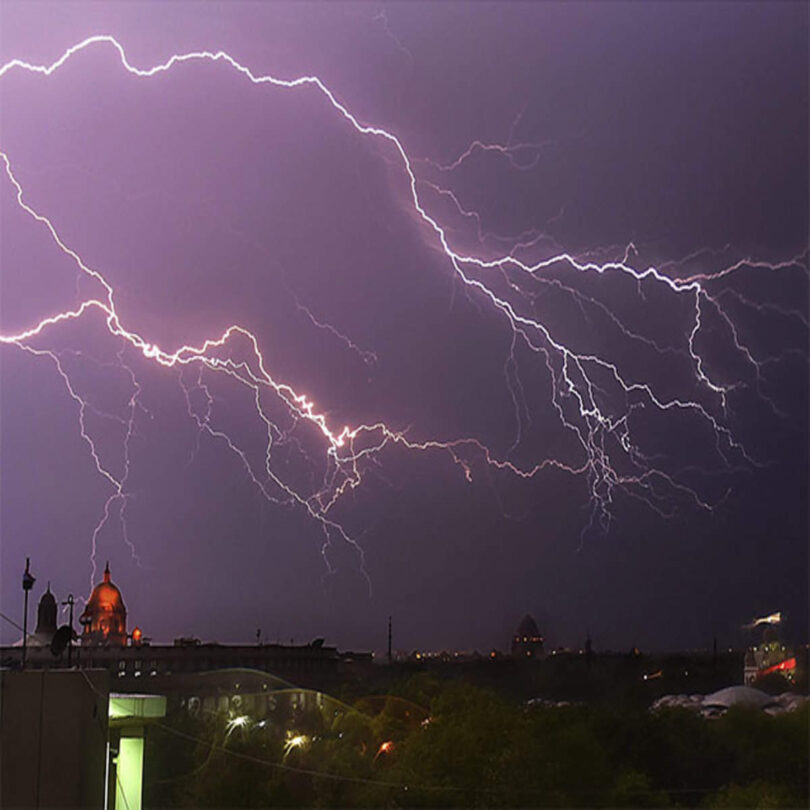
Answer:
(318, 642)
(60, 640)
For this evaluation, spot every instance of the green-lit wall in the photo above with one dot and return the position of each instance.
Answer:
(129, 774)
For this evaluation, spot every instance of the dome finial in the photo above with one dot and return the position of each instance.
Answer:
(107, 572)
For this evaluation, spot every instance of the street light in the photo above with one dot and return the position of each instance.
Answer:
(28, 581)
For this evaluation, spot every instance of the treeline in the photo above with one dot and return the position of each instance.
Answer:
(453, 745)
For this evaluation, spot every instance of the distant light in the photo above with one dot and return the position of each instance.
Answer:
(294, 741)
(241, 721)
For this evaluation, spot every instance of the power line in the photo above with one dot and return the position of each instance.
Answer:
(14, 624)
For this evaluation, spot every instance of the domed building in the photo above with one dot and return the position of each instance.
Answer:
(105, 617)
(527, 641)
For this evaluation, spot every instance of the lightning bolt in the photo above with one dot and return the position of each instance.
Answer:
(595, 401)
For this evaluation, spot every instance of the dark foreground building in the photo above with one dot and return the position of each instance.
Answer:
(54, 738)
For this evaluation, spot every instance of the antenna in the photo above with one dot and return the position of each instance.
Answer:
(69, 602)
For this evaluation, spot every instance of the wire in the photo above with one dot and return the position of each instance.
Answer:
(281, 766)
(440, 788)
(12, 622)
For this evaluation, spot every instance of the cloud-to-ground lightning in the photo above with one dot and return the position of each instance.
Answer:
(595, 401)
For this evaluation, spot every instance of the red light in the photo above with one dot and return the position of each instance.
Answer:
(790, 663)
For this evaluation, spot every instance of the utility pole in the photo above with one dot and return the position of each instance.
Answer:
(69, 603)
(588, 650)
(389, 639)
(27, 582)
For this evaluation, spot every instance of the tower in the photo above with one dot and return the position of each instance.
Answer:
(527, 641)
(46, 618)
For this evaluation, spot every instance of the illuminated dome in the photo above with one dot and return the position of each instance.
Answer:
(105, 617)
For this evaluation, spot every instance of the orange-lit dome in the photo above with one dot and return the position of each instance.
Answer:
(106, 594)
(105, 616)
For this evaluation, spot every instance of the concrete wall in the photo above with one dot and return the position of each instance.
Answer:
(53, 738)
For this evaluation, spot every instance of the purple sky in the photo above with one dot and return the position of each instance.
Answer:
(672, 499)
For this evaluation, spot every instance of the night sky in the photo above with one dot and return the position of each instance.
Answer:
(608, 430)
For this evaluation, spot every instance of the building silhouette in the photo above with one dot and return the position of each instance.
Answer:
(46, 620)
(527, 641)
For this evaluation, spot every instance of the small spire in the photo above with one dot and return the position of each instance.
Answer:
(49, 587)
(107, 572)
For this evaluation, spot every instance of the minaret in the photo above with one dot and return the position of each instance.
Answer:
(46, 617)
